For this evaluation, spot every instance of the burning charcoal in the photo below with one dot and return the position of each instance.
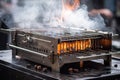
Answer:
(18, 57)
(70, 70)
(44, 69)
(76, 70)
(35, 67)
(39, 67)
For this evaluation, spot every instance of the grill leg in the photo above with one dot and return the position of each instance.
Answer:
(55, 66)
(107, 60)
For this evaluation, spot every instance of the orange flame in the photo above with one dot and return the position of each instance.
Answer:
(73, 46)
(82, 45)
(69, 5)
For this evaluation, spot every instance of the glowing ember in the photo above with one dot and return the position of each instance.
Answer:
(73, 46)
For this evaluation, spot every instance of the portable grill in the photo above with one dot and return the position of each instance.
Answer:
(54, 49)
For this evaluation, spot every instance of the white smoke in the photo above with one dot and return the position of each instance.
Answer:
(81, 19)
(42, 13)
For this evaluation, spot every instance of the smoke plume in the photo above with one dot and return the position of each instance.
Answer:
(47, 13)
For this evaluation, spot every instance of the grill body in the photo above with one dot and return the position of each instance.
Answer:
(56, 50)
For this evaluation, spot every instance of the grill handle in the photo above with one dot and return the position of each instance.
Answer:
(92, 56)
(27, 50)
(103, 54)
(6, 31)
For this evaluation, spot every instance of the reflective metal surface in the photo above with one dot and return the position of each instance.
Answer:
(98, 71)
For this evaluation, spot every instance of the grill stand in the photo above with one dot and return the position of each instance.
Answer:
(56, 64)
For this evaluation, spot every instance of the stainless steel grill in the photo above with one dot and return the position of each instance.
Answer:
(54, 49)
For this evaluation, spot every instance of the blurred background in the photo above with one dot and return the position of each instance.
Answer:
(109, 9)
